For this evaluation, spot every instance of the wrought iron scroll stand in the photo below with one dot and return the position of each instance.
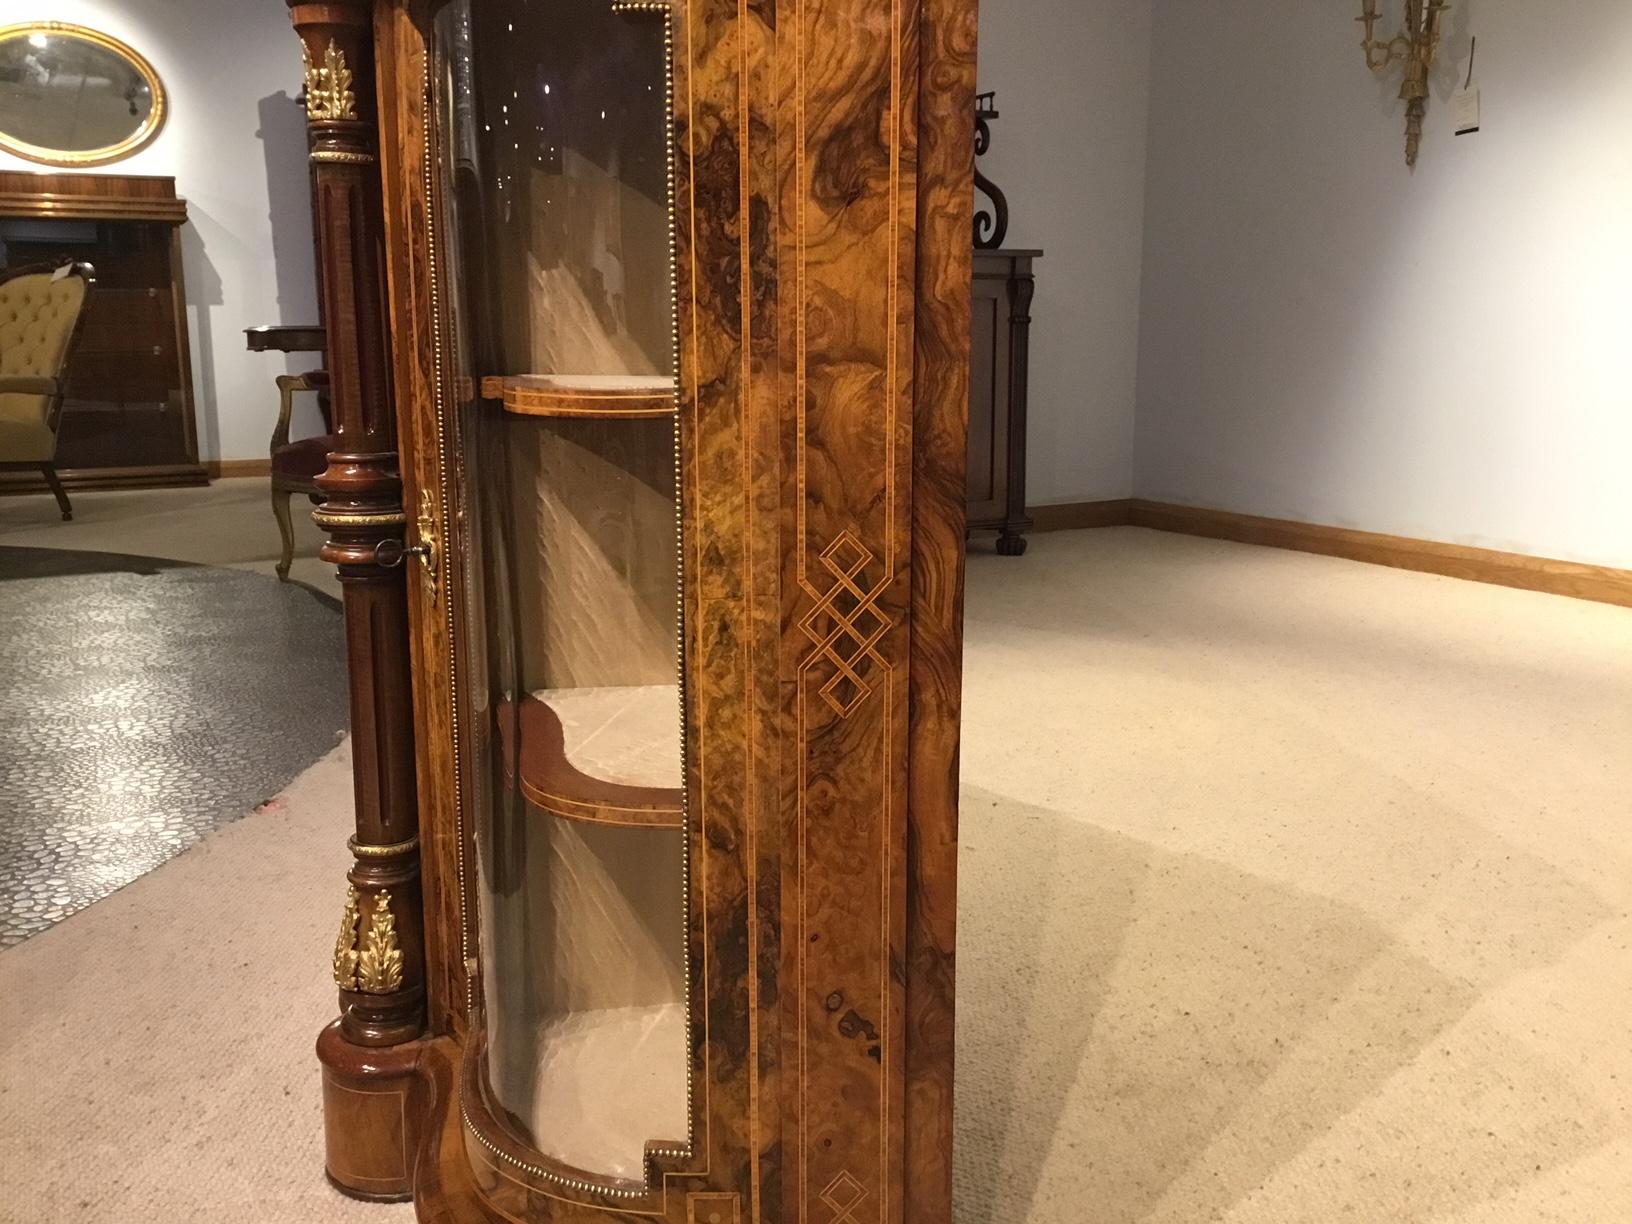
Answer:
(991, 225)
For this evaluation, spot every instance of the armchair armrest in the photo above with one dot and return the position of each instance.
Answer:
(28, 384)
(288, 384)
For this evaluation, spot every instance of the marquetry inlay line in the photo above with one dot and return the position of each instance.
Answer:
(856, 621)
(892, 315)
(403, 1166)
(714, 1209)
(800, 394)
(749, 436)
(892, 394)
(690, 397)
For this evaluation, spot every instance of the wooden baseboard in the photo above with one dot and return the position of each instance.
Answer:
(1600, 583)
(1073, 516)
(217, 468)
(79, 480)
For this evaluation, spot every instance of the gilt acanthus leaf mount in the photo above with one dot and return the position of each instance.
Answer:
(328, 85)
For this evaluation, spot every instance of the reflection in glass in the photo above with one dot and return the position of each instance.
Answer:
(555, 261)
(69, 94)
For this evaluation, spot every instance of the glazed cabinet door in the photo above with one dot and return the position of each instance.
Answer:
(681, 323)
(556, 291)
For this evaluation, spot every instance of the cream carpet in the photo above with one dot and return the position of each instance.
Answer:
(1293, 890)
(156, 1049)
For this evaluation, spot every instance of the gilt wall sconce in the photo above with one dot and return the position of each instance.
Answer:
(1416, 44)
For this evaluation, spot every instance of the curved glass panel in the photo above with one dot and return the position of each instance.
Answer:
(555, 269)
(71, 95)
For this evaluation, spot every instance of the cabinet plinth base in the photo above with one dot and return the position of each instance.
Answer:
(446, 1191)
(374, 1105)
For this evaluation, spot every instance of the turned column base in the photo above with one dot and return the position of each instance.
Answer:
(374, 1105)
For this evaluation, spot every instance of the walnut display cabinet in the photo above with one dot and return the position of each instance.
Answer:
(649, 327)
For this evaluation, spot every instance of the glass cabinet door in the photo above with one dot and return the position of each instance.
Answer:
(555, 278)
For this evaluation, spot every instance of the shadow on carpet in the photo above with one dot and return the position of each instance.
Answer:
(1148, 1037)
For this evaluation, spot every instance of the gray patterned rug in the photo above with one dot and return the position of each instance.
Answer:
(143, 704)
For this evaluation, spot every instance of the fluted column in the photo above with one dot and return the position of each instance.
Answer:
(379, 963)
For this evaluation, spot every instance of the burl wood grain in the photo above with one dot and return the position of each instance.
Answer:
(721, 476)
(945, 202)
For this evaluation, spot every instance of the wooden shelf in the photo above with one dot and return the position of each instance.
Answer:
(630, 735)
(583, 395)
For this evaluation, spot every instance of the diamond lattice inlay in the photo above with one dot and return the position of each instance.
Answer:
(843, 1194)
(846, 625)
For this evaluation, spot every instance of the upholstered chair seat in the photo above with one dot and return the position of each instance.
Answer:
(40, 310)
(305, 459)
(26, 431)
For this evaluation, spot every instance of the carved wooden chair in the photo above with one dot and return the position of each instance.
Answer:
(41, 310)
(297, 465)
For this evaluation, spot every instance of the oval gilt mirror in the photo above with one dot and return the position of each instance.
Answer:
(72, 96)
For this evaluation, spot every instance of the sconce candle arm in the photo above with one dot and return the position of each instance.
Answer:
(1416, 45)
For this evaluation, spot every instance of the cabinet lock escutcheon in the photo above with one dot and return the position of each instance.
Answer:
(390, 553)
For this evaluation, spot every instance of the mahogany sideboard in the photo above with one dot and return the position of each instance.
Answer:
(128, 416)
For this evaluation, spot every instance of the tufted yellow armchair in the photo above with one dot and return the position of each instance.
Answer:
(40, 313)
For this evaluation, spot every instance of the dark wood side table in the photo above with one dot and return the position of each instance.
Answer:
(999, 357)
(285, 338)
(294, 338)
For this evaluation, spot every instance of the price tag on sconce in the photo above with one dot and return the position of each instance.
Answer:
(1465, 101)
(1465, 111)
